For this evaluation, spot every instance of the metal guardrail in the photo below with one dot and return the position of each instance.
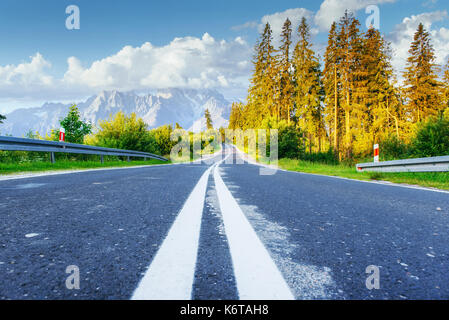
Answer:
(433, 164)
(22, 144)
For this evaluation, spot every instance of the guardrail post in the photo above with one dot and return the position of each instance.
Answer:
(52, 157)
(376, 153)
(101, 159)
(127, 159)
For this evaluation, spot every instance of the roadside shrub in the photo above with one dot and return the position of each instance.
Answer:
(289, 143)
(329, 157)
(432, 139)
(162, 139)
(75, 128)
(392, 148)
(125, 132)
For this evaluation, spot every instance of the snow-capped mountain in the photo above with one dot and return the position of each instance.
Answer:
(168, 106)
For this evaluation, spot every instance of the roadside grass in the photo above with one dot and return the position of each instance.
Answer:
(439, 180)
(42, 166)
(19, 162)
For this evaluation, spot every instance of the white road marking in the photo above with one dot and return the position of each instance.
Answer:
(171, 273)
(256, 274)
(26, 175)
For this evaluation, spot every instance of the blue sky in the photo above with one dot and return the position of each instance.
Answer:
(36, 46)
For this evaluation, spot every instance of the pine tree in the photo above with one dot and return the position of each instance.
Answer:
(375, 95)
(349, 47)
(332, 88)
(422, 87)
(208, 118)
(262, 91)
(285, 86)
(75, 128)
(308, 87)
(2, 117)
(236, 118)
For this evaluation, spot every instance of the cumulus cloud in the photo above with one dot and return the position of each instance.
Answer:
(187, 62)
(332, 10)
(402, 36)
(28, 78)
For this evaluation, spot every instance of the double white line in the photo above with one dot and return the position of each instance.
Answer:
(171, 273)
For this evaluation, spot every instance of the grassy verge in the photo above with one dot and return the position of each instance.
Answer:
(438, 180)
(40, 166)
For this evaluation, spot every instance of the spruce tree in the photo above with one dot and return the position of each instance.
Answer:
(349, 47)
(208, 118)
(332, 88)
(422, 88)
(262, 91)
(285, 85)
(75, 128)
(308, 87)
(236, 118)
(376, 99)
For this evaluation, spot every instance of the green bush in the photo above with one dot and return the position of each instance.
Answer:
(162, 139)
(125, 132)
(393, 148)
(75, 128)
(329, 157)
(290, 143)
(432, 139)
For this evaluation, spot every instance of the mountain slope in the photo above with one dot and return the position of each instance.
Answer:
(168, 106)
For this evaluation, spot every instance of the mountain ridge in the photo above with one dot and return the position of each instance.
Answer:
(164, 106)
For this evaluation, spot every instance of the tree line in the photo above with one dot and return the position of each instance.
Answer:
(352, 99)
(119, 131)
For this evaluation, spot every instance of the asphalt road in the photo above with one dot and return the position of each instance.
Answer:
(218, 230)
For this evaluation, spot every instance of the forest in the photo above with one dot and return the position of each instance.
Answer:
(336, 107)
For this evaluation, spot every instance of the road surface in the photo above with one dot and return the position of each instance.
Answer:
(220, 230)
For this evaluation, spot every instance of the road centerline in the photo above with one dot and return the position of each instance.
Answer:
(170, 275)
(256, 274)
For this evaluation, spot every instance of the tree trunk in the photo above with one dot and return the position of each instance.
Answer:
(336, 110)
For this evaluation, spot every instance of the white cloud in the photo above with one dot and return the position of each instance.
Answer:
(402, 36)
(332, 10)
(188, 62)
(28, 78)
